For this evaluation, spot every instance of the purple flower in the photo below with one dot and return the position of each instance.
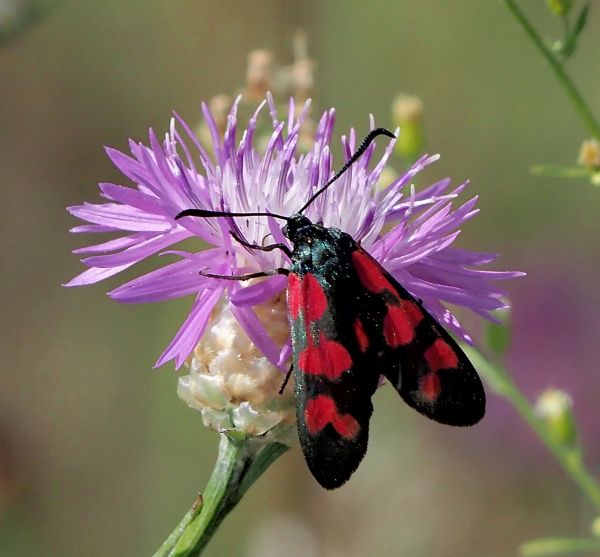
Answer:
(410, 233)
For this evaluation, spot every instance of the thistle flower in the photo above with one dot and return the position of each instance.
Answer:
(411, 233)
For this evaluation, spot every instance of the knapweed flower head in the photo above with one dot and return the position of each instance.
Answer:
(233, 384)
(411, 233)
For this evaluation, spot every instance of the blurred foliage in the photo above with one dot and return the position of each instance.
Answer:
(17, 16)
(565, 48)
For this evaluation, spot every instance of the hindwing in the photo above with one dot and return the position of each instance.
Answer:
(414, 352)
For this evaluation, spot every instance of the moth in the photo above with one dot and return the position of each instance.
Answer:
(351, 322)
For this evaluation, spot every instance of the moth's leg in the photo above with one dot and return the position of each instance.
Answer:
(285, 381)
(282, 247)
(279, 271)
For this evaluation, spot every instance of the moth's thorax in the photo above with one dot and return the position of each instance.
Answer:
(315, 244)
(298, 226)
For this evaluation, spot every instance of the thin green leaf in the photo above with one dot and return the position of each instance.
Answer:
(570, 42)
(581, 19)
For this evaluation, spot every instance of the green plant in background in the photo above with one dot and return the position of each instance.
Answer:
(551, 418)
(556, 54)
(18, 16)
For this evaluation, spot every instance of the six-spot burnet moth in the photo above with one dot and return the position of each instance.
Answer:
(352, 322)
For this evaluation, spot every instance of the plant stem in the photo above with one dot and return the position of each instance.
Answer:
(173, 538)
(584, 110)
(569, 458)
(239, 464)
(559, 546)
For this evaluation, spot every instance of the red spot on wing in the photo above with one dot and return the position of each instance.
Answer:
(306, 294)
(346, 426)
(318, 413)
(322, 410)
(328, 358)
(361, 335)
(430, 386)
(293, 295)
(440, 355)
(400, 322)
(315, 302)
(370, 273)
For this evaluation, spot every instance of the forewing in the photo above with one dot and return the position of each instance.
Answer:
(333, 383)
(416, 354)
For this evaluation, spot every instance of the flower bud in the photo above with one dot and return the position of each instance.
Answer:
(554, 407)
(259, 74)
(560, 7)
(233, 384)
(303, 69)
(408, 115)
(589, 154)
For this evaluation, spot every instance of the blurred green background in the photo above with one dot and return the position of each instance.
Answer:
(97, 454)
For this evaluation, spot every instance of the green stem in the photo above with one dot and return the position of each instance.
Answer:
(584, 110)
(558, 546)
(239, 464)
(169, 543)
(568, 457)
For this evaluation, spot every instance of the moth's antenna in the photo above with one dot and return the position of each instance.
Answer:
(363, 147)
(208, 213)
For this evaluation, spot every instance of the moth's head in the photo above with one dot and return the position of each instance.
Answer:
(294, 225)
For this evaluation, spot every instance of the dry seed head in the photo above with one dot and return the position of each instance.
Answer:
(233, 384)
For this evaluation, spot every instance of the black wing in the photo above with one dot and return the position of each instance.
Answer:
(414, 352)
(352, 322)
(334, 382)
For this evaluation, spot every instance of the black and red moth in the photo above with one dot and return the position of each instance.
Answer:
(352, 322)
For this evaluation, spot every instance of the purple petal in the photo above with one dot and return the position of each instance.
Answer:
(204, 158)
(131, 196)
(92, 228)
(192, 329)
(450, 294)
(446, 318)
(459, 256)
(122, 217)
(214, 133)
(94, 275)
(138, 252)
(173, 281)
(259, 292)
(116, 244)
(419, 250)
(129, 166)
(285, 355)
(256, 332)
